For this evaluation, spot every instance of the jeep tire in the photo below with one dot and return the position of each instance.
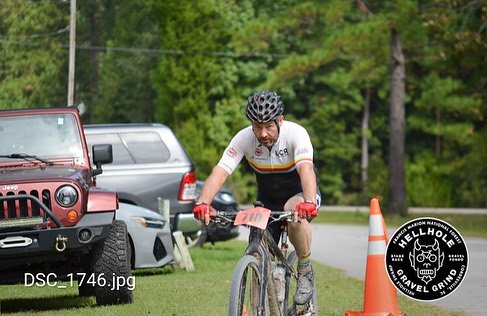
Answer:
(111, 267)
(85, 289)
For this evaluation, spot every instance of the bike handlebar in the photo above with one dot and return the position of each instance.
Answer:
(229, 216)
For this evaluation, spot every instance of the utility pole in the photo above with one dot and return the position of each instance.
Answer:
(72, 51)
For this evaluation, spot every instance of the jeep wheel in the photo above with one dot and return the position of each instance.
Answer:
(111, 266)
(84, 288)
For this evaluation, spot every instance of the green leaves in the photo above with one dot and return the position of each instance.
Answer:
(192, 64)
(31, 56)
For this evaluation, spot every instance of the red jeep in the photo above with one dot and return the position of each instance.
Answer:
(55, 225)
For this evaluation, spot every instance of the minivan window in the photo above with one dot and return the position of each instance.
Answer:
(133, 148)
(146, 147)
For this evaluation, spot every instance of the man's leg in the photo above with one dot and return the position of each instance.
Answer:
(300, 238)
(300, 230)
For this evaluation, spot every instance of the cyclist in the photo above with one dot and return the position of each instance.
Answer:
(281, 154)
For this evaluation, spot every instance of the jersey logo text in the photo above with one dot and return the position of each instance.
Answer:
(282, 152)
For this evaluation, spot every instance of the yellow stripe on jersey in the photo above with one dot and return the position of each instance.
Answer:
(264, 168)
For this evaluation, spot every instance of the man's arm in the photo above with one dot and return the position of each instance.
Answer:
(308, 181)
(212, 185)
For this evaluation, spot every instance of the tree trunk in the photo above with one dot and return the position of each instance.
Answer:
(397, 185)
(365, 141)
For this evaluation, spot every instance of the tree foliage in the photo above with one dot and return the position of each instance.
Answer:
(126, 93)
(192, 64)
(33, 70)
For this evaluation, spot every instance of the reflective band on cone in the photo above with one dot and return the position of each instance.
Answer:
(375, 226)
(377, 248)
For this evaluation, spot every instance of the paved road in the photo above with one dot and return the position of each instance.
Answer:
(345, 247)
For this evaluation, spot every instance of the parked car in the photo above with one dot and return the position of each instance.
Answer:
(149, 163)
(53, 220)
(150, 237)
(223, 201)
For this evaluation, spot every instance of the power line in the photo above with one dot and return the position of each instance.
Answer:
(155, 51)
(58, 32)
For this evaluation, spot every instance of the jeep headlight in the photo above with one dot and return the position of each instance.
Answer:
(66, 195)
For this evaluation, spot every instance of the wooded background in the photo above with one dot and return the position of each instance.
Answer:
(393, 93)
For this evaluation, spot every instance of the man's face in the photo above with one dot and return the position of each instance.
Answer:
(267, 133)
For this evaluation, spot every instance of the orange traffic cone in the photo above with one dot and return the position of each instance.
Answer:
(380, 295)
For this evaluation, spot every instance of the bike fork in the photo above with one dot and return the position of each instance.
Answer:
(263, 285)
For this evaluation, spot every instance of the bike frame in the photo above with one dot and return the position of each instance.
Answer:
(263, 244)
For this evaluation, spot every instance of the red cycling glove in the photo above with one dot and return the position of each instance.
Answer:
(306, 210)
(200, 210)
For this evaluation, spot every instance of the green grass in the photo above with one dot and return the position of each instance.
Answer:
(466, 224)
(202, 292)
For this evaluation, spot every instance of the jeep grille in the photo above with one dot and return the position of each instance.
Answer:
(21, 208)
(24, 209)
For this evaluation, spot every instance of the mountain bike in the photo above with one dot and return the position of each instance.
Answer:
(265, 275)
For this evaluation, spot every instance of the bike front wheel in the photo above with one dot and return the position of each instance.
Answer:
(245, 290)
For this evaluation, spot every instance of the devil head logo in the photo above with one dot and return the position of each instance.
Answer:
(426, 260)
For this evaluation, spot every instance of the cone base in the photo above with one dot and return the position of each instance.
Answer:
(356, 313)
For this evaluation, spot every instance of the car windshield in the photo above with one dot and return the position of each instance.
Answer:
(48, 136)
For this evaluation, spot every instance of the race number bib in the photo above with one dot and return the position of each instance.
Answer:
(257, 217)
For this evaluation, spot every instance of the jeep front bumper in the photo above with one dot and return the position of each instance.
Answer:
(46, 245)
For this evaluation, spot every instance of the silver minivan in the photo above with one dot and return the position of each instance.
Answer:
(149, 164)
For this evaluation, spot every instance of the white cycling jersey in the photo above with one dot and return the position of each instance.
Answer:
(275, 169)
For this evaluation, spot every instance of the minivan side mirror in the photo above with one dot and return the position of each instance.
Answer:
(102, 154)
